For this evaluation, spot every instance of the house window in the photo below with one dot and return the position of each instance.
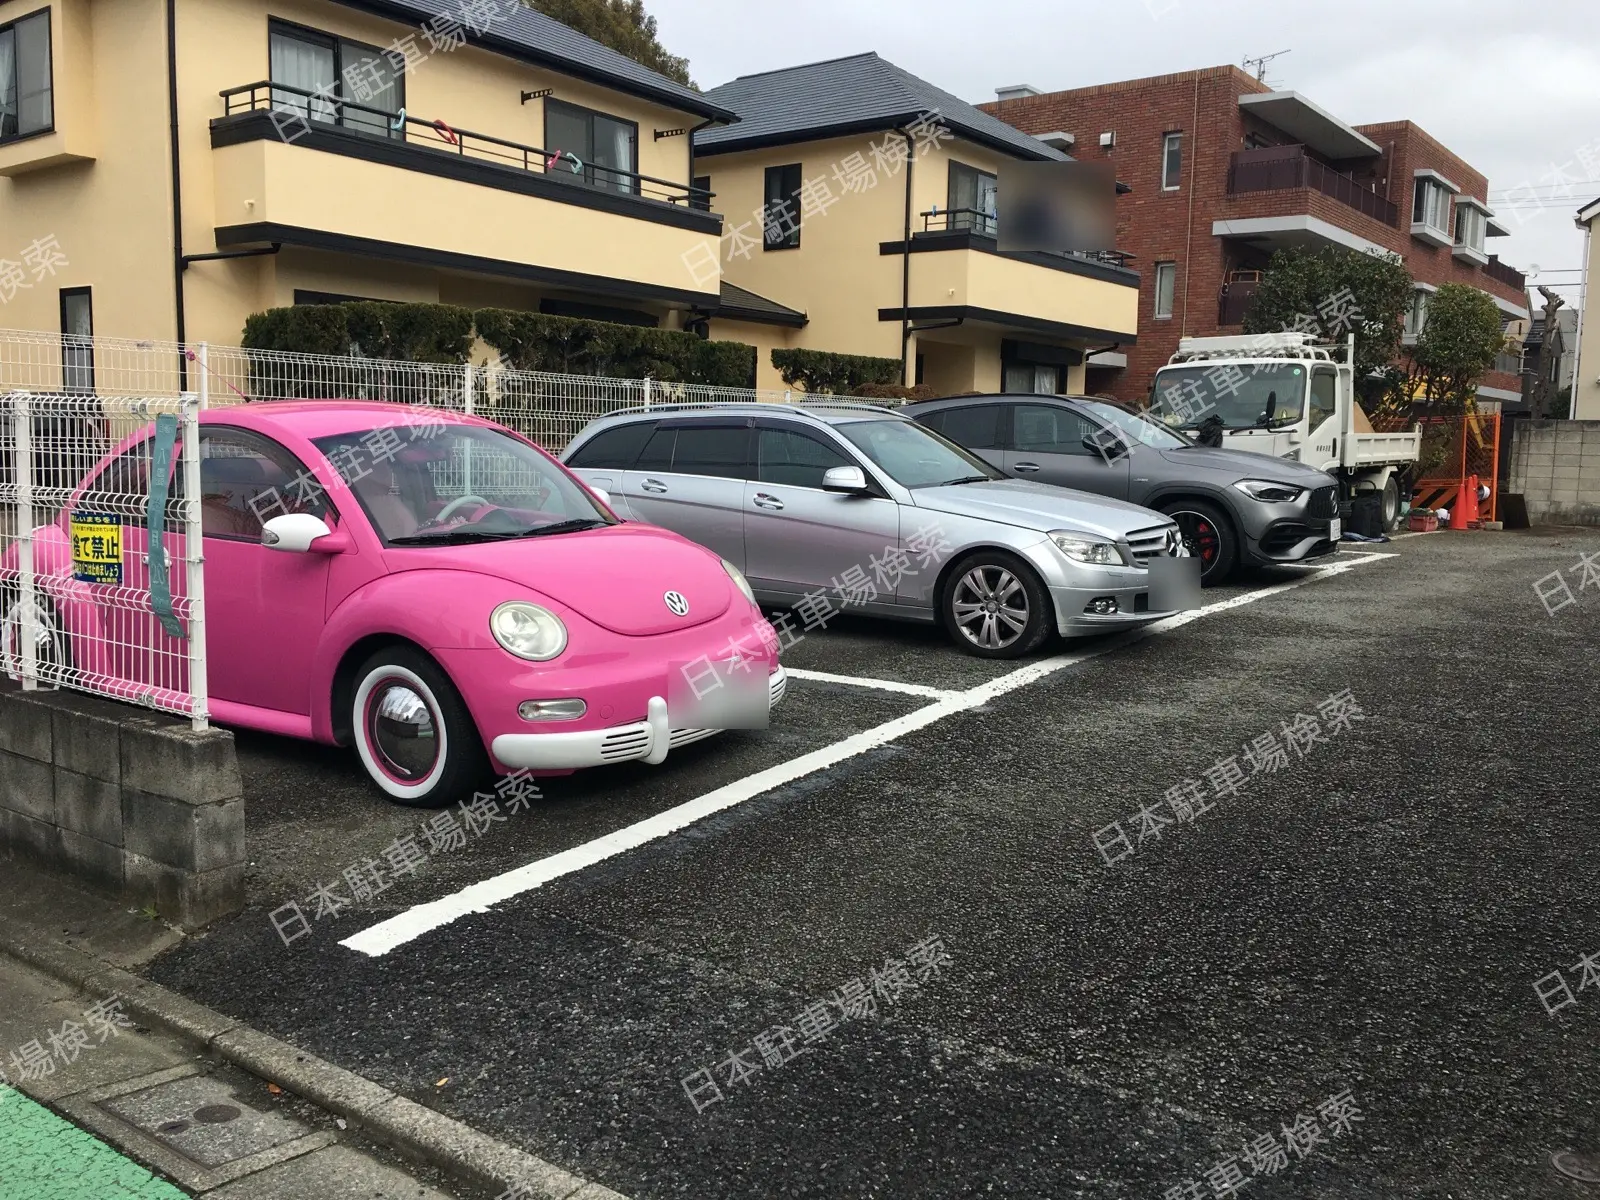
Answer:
(77, 340)
(1430, 206)
(1471, 226)
(701, 197)
(1166, 287)
(319, 77)
(27, 100)
(1417, 314)
(1171, 161)
(607, 146)
(972, 200)
(780, 214)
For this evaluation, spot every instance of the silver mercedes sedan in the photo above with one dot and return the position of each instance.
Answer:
(852, 507)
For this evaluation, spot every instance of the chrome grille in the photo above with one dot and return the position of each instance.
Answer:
(1324, 503)
(1147, 542)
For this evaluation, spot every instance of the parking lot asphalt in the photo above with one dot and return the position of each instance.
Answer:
(1371, 918)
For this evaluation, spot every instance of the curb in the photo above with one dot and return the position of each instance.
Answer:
(464, 1154)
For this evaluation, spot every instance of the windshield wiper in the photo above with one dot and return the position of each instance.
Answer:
(572, 526)
(454, 537)
(965, 479)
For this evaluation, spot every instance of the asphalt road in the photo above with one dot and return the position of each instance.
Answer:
(1370, 918)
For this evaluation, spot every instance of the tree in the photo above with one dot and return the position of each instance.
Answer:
(1543, 399)
(1333, 293)
(1459, 342)
(622, 25)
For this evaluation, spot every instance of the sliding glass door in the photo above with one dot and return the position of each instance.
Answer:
(347, 80)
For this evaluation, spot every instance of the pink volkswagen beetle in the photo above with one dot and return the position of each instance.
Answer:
(429, 587)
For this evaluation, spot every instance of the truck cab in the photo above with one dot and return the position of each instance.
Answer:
(1287, 396)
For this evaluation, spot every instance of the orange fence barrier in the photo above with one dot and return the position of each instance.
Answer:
(1459, 453)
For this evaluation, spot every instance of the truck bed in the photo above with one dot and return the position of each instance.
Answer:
(1381, 449)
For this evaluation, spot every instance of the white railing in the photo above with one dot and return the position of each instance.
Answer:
(101, 585)
(547, 407)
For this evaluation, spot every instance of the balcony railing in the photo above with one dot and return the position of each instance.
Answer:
(1495, 269)
(295, 110)
(987, 225)
(1280, 168)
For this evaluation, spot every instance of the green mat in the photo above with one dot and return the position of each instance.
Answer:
(43, 1157)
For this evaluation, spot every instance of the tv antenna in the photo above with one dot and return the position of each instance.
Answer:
(1260, 64)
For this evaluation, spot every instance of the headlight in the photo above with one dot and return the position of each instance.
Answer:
(1271, 493)
(1087, 549)
(739, 580)
(528, 630)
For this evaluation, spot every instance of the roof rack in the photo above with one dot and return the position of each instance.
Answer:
(800, 406)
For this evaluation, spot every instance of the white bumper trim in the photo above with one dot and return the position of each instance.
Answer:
(648, 740)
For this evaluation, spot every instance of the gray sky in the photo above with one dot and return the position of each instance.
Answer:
(1513, 89)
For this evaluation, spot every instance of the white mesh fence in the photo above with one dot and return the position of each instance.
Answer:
(547, 407)
(101, 585)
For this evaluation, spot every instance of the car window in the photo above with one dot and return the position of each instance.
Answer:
(975, 426)
(914, 457)
(246, 480)
(797, 459)
(1324, 387)
(1045, 429)
(723, 451)
(657, 452)
(616, 448)
(122, 489)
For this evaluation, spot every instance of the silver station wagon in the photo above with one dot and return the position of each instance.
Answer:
(882, 517)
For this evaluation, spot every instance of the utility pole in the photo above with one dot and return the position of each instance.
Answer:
(1544, 388)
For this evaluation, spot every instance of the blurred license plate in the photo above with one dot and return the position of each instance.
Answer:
(713, 693)
(1174, 584)
(1335, 529)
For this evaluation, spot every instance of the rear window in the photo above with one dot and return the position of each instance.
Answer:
(721, 451)
(617, 448)
(977, 427)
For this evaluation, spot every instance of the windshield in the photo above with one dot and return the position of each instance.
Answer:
(444, 484)
(915, 457)
(1136, 426)
(1185, 396)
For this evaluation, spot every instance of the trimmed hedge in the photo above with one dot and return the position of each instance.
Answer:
(444, 334)
(539, 342)
(896, 391)
(839, 374)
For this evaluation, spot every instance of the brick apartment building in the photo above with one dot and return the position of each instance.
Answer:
(1224, 171)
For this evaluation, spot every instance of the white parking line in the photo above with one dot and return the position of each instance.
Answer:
(407, 926)
(882, 685)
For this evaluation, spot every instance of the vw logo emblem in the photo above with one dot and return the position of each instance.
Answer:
(676, 604)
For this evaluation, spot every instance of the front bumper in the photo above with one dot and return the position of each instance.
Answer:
(1293, 532)
(648, 740)
(1133, 607)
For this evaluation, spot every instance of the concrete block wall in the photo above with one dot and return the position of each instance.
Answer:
(1555, 465)
(130, 802)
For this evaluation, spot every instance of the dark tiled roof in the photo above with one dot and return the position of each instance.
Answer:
(862, 93)
(741, 304)
(520, 32)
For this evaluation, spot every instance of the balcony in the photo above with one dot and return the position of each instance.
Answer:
(974, 223)
(1236, 298)
(296, 168)
(1497, 270)
(959, 273)
(1288, 168)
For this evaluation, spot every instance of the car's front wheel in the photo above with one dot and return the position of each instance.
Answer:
(52, 651)
(413, 731)
(995, 607)
(1208, 535)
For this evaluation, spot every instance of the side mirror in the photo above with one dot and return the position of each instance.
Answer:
(601, 495)
(1109, 447)
(300, 533)
(851, 481)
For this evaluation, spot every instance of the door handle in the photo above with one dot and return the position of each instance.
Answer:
(1026, 468)
(652, 485)
(763, 500)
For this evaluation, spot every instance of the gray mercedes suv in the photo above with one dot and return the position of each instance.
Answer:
(854, 506)
(1234, 507)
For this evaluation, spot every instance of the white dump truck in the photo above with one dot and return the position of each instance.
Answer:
(1290, 396)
